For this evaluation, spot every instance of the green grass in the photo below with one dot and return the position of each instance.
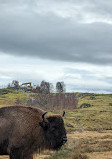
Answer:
(63, 154)
(97, 117)
(6, 91)
(9, 97)
(17, 95)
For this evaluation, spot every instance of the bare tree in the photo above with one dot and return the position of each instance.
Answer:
(44, 87)
(41, 99)
(60, 87)
(52, 101)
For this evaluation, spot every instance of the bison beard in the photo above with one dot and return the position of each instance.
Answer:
(25, 131)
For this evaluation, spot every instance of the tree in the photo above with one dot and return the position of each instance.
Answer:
(60, 87)
(45, 87)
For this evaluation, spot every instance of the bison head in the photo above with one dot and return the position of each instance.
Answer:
(54, 130)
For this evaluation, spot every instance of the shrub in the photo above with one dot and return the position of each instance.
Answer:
(6, 91)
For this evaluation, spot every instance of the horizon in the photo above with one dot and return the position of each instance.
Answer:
(92, 91)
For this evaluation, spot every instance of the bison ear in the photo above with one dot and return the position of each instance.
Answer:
(41, 124)
(44, 125)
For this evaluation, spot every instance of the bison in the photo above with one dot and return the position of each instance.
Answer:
(27, 130)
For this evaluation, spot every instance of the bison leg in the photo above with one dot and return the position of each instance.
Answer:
(3, 148)
(19, 154)
(15, 153)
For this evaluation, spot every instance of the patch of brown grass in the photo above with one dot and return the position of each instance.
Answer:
(88, 143)
(78, 155)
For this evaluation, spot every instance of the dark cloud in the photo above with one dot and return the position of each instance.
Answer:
(26, 32)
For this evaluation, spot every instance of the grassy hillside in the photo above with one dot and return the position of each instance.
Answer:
(96, 117)
(9, 97)
(89, 129)
(89, 126)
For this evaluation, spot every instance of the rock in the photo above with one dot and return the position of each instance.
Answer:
(85, 105)
(69, 125)
(92, 98)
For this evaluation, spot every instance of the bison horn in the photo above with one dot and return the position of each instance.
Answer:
(44, 115)
(63, 114)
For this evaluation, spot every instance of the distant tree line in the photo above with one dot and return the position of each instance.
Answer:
(44, 87)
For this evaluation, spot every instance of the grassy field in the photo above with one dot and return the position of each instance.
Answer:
(9, 97)
(89, 128)
(96, 117)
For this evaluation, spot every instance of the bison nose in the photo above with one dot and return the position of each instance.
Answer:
(64, 139)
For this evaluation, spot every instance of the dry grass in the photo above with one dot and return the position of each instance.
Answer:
(89, 129)
(82, 145)
(85, 145)
(78, 155)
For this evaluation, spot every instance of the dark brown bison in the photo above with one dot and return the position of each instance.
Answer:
(26, 130)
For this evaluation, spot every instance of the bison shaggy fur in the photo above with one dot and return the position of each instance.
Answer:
(26, 130)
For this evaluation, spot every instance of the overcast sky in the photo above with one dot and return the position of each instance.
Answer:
(57, 40)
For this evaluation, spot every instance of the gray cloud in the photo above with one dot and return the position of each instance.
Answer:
(41, 30)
